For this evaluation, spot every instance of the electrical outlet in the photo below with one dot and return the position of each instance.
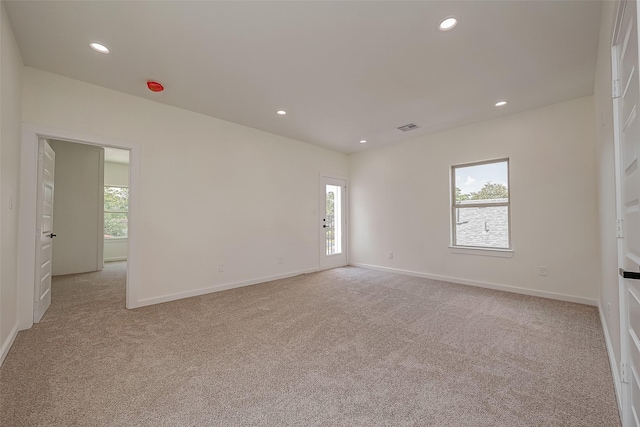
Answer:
(279, 260)
(390, 256)
(608, 309)
(542, 270)
(221, 268)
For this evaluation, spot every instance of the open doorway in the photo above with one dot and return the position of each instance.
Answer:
(86, 210)
(29, 280)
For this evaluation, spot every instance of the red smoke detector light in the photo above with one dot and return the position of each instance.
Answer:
(155, 86)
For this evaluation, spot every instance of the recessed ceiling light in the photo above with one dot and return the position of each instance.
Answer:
(448, 23)
(501, 103)
(282, 112)
(363, 141)
(99, 47)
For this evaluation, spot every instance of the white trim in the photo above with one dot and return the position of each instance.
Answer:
(615, 371)
(455, 205)
(217, 288)
(100, 258)
(114, 259)
(26, 228)
(28, 187)
(6, 346)
(625, 353)
(339, 176)
(502, 253)
(505, 288)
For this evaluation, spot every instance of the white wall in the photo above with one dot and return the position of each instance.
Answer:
(10, 121)
(117, 175)
(211, 192)
(77, 208)
(400, 202)
(115, 250)
(608, 281)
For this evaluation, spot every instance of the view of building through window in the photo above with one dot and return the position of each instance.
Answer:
(116, 208)
(480, 208)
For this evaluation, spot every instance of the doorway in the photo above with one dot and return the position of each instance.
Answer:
(88, 217)
(333, 222)
(31, 136)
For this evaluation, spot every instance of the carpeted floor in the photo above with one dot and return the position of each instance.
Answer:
(344, 347)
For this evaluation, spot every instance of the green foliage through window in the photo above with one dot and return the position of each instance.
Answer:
(489, 191)
(116, 208)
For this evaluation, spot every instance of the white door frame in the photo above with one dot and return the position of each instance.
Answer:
(321, 233)
(28, 197)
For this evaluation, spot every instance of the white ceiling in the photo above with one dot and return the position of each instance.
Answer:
(343, 71)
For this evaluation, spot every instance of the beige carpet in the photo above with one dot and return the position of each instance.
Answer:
(346, 347)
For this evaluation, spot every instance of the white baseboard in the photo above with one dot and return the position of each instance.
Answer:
(121, 258)
(217, 288)
(612, 360)
(506, 288)
(6, 346)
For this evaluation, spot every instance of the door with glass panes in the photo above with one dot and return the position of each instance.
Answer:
(333, 222)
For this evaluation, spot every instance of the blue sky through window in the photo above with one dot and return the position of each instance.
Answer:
(471, 179)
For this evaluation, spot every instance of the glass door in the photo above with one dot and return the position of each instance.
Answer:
(333, 223)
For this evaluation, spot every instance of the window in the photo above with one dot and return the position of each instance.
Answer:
(116, 207)
(480, 208)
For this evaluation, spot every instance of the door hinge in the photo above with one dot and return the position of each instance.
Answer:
(619, 229)
(615, 88)
(624, 372)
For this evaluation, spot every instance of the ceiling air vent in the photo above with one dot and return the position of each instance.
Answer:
(407, 128)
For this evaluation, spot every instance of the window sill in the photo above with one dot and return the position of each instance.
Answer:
(115, 239)
(501, 253)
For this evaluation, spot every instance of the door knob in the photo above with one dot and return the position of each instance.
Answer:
(52, 235)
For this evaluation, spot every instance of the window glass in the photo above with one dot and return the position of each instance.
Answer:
(333, 221)
(116, 207)
(481, 208)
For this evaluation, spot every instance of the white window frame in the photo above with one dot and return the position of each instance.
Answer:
(467, 249)
(110, 239)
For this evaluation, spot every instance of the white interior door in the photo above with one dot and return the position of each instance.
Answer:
(44, 229)
(626, 95)
(333, 222)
